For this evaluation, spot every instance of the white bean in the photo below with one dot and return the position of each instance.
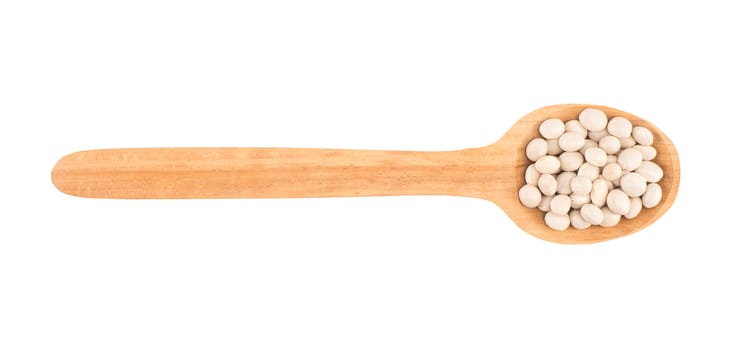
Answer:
(564, 182)
(531, 176)
(548, 165)
(560, 204)
(619, 127)
(577, 221)
(545, 205)
(595, 156)
(650, 171)
(591, 214)
(610, 144)
(598, 196)
(547, 184)
(558, 222)
(633, 184)
(643, 136)
(609, 219)
(612, 171)
(635, 208)
(551, 128)
(578, 200)
(571, 141)
(618, 202)
(581, 185)
(593, 119)
(536, 149)
(530, 196)
(553, 147)
(575, 126)
(652, 196)
(648, 152)
(611, 159)
(630, 159)
(571, 161)
(588, 170)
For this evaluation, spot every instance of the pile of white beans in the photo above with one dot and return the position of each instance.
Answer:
(591, 171)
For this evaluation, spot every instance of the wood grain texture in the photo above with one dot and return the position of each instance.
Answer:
(493, 172)
(158, 173)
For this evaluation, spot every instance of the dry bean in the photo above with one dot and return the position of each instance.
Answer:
(633, 185)
(650, 171)
(588, 170)
(571, 141)
(612, 171)
(571, 161)
(548, 165)
(547, 184)
(536, 149)
(595, 156)
(591, 213)
(618, 202)
(652, 196)
(558, 222)
(643, 136)
(560, 204)
(598, 196)
(530, 196)
(619, 127)
(630, 159)
(593, 119)
(551, 128)
(610, 144)
(648, 152)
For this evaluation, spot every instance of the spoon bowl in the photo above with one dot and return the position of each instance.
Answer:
(513, 146)
(494, 172)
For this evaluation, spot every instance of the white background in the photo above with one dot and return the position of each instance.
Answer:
(354, 273)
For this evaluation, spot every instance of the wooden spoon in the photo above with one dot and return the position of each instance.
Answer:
(494, 172)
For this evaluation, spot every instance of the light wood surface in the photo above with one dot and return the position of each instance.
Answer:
(493, 172)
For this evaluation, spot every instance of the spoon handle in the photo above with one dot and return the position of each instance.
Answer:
(148, 173)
